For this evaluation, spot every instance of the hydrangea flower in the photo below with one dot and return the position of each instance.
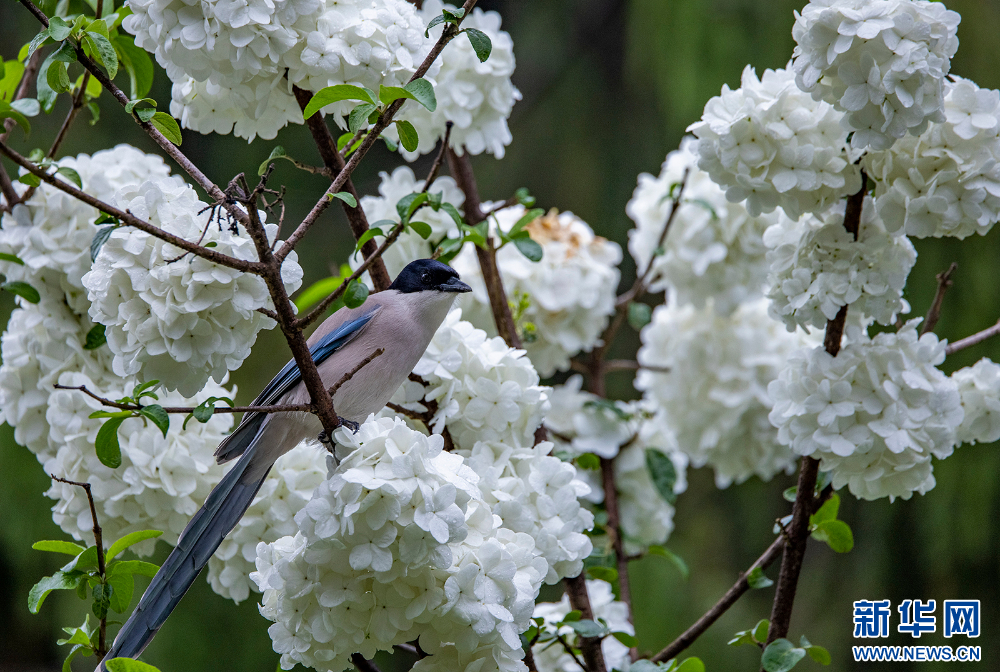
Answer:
(409, 245)
(946, 181)
(52, 231)
(604, 605)
(397, 544)
(570, 293)
(874, 415)
(261, 106)
(482, 389)
(882, 63)
(979, 388)
(476, 97)
(817, 267)
(708, 375)
(771, 144)
(714, 248)
(284, 493)
(183, 320)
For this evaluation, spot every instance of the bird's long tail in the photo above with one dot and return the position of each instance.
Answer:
(203, 535)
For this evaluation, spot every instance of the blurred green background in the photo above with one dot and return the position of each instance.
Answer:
(609, 87)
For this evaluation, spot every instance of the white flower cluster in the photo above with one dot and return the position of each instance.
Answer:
(409, 246)
(482, 389)
(946, 181)
(476, 97)
(772, 145)
(578, 423)
(285, 492)
(553, 658)
(398, 544)
(173, 317)
(162, 480)
(714, 248)
(882, 63)
(979, 388)
(570, 292)
(709, 376)
(874, 415)
(817, 266)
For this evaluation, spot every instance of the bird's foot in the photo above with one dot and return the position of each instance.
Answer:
(350, 424)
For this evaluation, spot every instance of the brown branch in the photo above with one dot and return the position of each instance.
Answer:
(741, 586)
(274, 408)
(590, 647)
(168, 147)
(436, 166)
(934, 312)
(461, 170)
(334, 163)
(130, 220)
(570, 651)
(363, 664)
(360, 365)
(615, 532)
(975, 339)
(625, 365)
(30, 71)
(381, 124)
(102, 646)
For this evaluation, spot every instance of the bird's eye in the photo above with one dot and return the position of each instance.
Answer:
(425, 277)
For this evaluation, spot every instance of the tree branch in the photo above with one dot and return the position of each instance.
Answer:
(590, 647)
(128, 219)
(363, 664)
(381, 124)
(110, 403)
(975, 339)
(334, 163)
(436, 166)
(934, 312)
(30, 71)
(615, 532)
(461, 170)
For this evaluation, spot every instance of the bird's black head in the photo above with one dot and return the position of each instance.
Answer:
(425, 275)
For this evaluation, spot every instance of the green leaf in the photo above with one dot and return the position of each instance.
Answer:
(67, 664)
(130, 567)
(625, 638)
(390, 94)
(588, 628)
(22, 289)
(529, 248)
(572, 616)
(137, 64)
(453, 213)
(57, 77)
(144, 390)
(422, 229)
(436, 21)
(104, 51)
(836, 533)
(691, 664)
(817, 653)
(789, 494)
(358, 116)
(46, 96)
(524, 197)
(167, 125)
(639, 315)
(95, 338)
(344, 196)
(121, 596)
(663, 473)
(423, 92)
(67, 547)
(108, 450)
(10, 78)
(29, 107)
(7, 111)
(145, 114)
(131, 105)
(677, 560)
(756, 579)
(128, 665)
(29, 179)
(760, 630)
(409, 204)
(826, 512)
(5, 256)
(276, 153)
(356, 294)
(448, 249)
(102, 599)
(59, 30)
(608, 574)
(527, 218)
(407, 135)
(317, 291)
(99, 239)
(333, 94)
(158, 416)
(368, 235)
(70, 175)
(643, 665)
(481, 43)
(781, 655)
(59, 581)
(85, 560)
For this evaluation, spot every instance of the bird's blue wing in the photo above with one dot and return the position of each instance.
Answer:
(289, 376)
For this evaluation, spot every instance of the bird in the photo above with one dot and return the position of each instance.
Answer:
(402, 321)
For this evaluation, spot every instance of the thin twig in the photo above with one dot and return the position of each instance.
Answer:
(625, 365)
(934, 312)
(102, 647)
(130, 220)
(436, 166)
(381, 124)
(110, 403)
(363, 664)
(570, 651)
(975, 339)
(614, 530)
(590, 647)
(360, 365)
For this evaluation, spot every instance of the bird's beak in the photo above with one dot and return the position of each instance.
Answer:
(454, 285)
